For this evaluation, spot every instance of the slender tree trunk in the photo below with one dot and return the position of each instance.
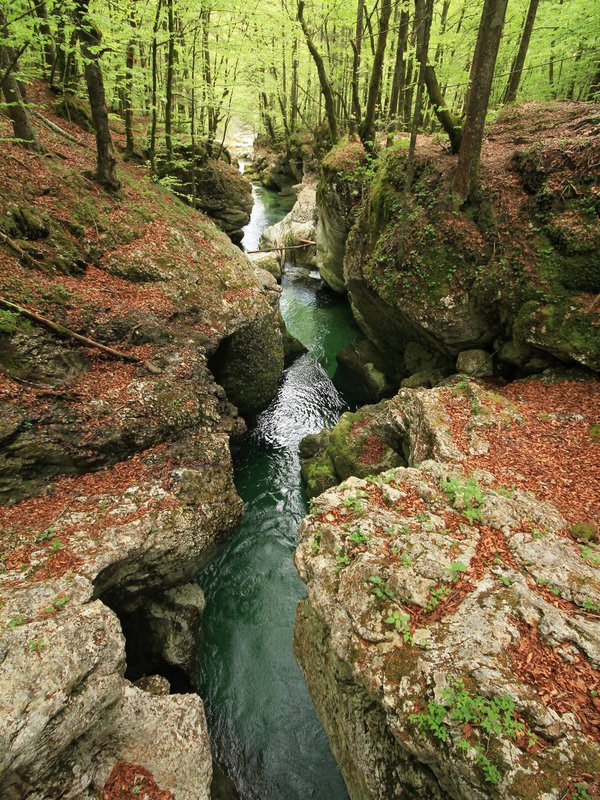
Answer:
(169, 82)
(323, 80)
(576, 60)
(42, 14)
(15, 108)
(129, 64)
(89, 37)
(294, 87)
(367, 127)
(594, 90)
(357, 48)
(398, 81)
(422, 28)
(510, 95)
(481, 78)
(154, 67)
(451, 123)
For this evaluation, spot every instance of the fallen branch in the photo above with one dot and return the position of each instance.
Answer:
(57, 129)
(66, 332)
(307, 243)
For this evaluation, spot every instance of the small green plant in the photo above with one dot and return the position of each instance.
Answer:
(455, 569)
(56, 604)
(45, 536)
(580, 792)
(342, 560)
(315, 545)
(590, 555)
(406, 559)
(467, 493)
(36, 645)
(354, 502)
(435, 597)
(589, 605)
(56, 545)
(15, 622)
(492, 717)
(491, 773)
(400, 622)
(358, 537)
(505, 580)
(380, 588)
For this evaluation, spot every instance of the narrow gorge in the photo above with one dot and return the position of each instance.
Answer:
(299, 400)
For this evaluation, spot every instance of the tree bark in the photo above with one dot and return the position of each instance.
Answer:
(357, 48)
(129, 64)
(322, 73)
(42, 14)
(367, 127)
(510, 95)
(399, 79)
(169, 82)
(451, 123)
(154, 52)
(15, 107)
(481, 78)
(90, 37)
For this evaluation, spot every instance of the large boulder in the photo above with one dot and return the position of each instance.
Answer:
(450, 635)
(338, 193)
(402, 612)
(519, 262)
(296, 228)
(211, 184)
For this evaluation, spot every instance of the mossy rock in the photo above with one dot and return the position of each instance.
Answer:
(22, 222)
(562, 329)
(584, 532)
(75, 109)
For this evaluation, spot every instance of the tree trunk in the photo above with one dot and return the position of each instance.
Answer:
(42, 14)
(15, 107)
(594, 90)
(481, 78)
(422, 28)
(399, 79)
(154, 51)
(357, 48)
(323, 80)
(89, 37)
(169, 82)
(129, 64)
(512, 87)
(367, 127)
(451, 123)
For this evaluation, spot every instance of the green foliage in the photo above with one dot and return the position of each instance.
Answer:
(400, 622)
(380, 588)
(455, 569)
(466, 493)
(459, 708)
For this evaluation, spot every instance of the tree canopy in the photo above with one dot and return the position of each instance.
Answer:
(177, 72)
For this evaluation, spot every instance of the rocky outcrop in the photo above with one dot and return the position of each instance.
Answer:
(450, 634)
(296, 228)
(517, 267)
(338, 192)
(116, 480)
(213, 185)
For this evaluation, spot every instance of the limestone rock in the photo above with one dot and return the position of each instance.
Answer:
(298, 226)
(475, 363)
(400, 614)
(338, 194)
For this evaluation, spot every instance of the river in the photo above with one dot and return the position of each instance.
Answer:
(266, 736)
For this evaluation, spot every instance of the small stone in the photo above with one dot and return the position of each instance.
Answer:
(476, 363)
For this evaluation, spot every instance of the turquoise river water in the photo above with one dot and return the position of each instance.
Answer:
(265, 733)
